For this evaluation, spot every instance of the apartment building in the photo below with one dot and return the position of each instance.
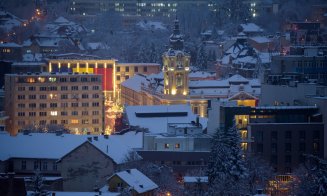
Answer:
(38, 101)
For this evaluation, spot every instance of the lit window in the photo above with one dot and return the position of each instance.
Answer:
(166, 145)
(51, 79)
(30, 80)
(41, 79)
(177, 146)
(54, 113)
(74, 121)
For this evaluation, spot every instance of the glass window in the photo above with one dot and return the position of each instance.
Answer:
(166, 145)
(23, 164)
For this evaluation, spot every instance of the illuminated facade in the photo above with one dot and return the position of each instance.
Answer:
(176, 66)
(35, 101)
(113, 73)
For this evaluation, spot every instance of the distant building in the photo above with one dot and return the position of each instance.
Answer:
(39, 100)
(304, 63)
(131, 8)
(10, 52)
(133, 181)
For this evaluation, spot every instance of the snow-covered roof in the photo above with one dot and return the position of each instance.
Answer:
(10, 45)
(251, 27)
(32, 57)
(195, 179)
(149, 25)
(260, 39)
(137, 64)
(8, 21)
(57, 193)
(61, 19)
(134, 82)
(156, 117)
(97, 45)
(225, 88)
(51, 146)
(137, 180)
(200, 74)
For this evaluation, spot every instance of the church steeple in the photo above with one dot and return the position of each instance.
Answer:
(176, 66)
(176, 39)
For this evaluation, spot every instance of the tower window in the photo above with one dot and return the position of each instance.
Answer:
(179, 81)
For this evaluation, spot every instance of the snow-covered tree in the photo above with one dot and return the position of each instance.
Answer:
(226, 167)
(202, 58)
(37, 185)
(259, 173)
(311, 179)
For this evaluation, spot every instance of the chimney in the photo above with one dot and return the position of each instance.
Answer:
(106, 136)
(95, 138)
(128, 171)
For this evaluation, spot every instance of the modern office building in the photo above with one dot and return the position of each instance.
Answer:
(40, 101)
(280, 134)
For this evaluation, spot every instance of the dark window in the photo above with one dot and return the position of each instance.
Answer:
(45, 165)
(259, 148)
(117, 69)
(288, 147)
(136, 69)
(302, 135)
(274, 135)
(273, 159)
(288, 135)
(54, 166)
(73, 79)
(126, 69)
(316, 135)
(145, 69)
(288, 159)
(23, 165)
(117, 77)
(36, 165)
(274, 148)
(302, 147)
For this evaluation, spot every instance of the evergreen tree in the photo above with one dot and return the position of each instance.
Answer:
(312, 178)
(226, 168)
(202, 59)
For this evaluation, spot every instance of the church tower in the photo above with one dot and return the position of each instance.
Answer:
(176, 65)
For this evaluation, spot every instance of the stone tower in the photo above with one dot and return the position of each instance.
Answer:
(176, 65)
